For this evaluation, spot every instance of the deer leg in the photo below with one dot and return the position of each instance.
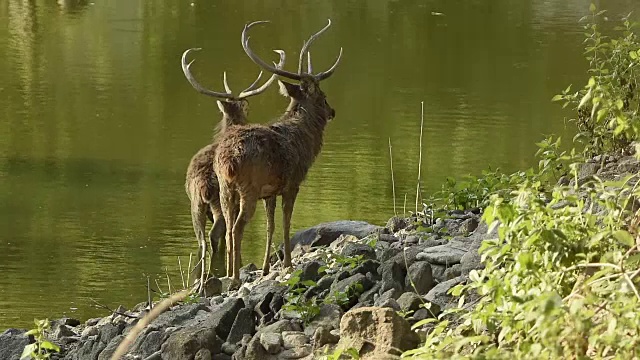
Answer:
(247, 209)
(217, 231)
(270, 209)
(227, 205)
(288, 200)
(199, 219)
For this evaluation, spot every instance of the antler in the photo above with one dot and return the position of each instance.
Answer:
(250, 91)
(305, 49)
(187, 73)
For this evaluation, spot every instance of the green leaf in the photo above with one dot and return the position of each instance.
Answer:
(557, 97)
(624, 237)
(50, 346)
(633, 55)
(28, 350)
(423, 322)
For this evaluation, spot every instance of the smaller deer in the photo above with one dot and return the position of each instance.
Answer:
(201, 183)
(255, 161)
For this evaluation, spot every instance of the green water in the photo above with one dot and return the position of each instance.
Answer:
(97, 123)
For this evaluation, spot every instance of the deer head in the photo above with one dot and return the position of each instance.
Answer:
(306, 95)
(231, 106)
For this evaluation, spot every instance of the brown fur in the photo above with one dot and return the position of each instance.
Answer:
(201, 183)
(263, 161)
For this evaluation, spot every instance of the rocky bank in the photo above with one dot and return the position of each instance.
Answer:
(354, 286)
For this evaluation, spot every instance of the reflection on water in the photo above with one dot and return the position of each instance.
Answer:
(99, 123)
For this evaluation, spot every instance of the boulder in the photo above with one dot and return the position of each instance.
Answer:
(293, 339)
(376, 333)
(324, 234)
(352, 250)
(12, 343)
(263, 291)
(213, 286)
(409, 301)
(187, 342)
(419, 277)
(393, 275)
(310, 270)
(447, 254)
(271, 342)
(328, 318)
(243, 324)
(223, 316)
(438, 295)
(323, 336)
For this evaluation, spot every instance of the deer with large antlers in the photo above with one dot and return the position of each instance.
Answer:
(255, 161)
(201, 183)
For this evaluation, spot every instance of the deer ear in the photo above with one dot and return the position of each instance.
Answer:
(289, 90)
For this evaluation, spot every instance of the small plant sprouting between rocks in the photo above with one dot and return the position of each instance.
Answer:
(41, 348)
(340, 354)
(295, 299)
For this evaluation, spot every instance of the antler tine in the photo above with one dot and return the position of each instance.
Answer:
(250, 91)
(260, 62)
(226, 85)
(309, 70)
(307, 44)
(325, 74)
(187, 73)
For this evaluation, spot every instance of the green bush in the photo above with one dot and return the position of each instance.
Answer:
(561, 279)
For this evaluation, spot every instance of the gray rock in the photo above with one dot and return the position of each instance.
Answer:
(389, 294)
(423, 313)
(69, 321)
(276, 303)
(254, 350)
(59, 331)
(221, 356)
(468, 226)
(420, 275)
(438, 295)
(146, 344)
(12, 343)
(438, 273)
(244, 324)
(310, 270)
(177, 316)
(409, 301)
(368, 296)
(453, 272)
(213, 286)
(388, 253)
(447, 254)
(328, 318)
(278, 327)
(185, 343)
(229, 348)
(223, 316)
(262, 291)
(323, 336)
(94, 345)
(397, 223)
(393, 275)
(354, 249)
(350, 285)
(292, 339)
(390, 303)
(388, 238)
(271, 342)
(111, 348)
(296, 353)
(203, 354)
(367, 266)
(324, 234)
(246, 272)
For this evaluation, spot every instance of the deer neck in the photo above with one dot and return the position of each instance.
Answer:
(309, 126)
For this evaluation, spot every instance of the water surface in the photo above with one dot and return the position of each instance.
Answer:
(98, 123)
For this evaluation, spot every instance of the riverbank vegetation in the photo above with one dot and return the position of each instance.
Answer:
(561, 280)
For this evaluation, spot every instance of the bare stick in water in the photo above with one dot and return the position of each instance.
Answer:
(157, 310)
(393, 181)
(420, 161)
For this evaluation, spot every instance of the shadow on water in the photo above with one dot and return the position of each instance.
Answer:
(98, 123)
